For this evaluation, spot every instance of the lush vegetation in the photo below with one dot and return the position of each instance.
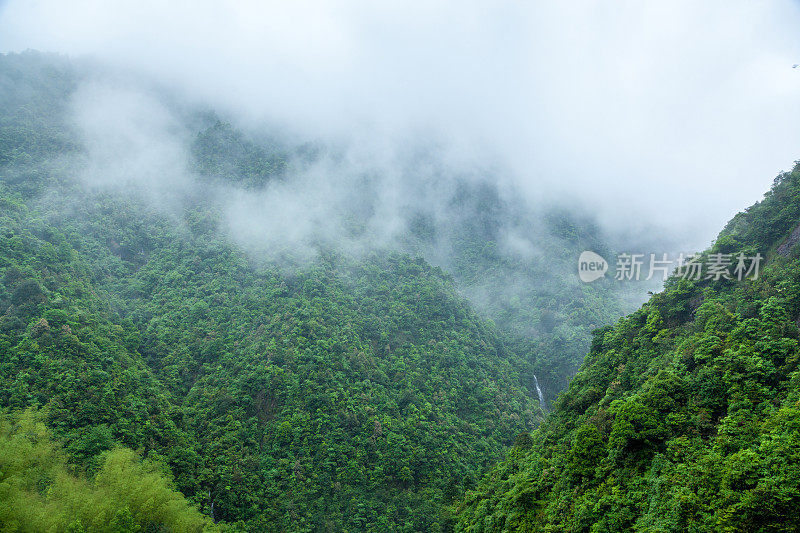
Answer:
(345, 394)
(533, 295)
(341, 396)
(684, 416)
(125, 495)
(154, 376)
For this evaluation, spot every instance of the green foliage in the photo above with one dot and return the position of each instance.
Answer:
(222, 152)
(38, 492)
(519, 268)
(684, 416)
(348, 394)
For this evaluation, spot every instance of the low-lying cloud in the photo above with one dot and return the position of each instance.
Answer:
(675, 114)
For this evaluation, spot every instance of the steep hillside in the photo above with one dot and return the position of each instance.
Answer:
(353, 391)
(684, 416)
(343, 394)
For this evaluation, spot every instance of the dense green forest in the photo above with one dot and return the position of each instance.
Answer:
(362, 392)
(684, 416)
(125, 495)
(158, 373)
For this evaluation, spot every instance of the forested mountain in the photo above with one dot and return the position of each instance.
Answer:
(353, 391)
(162, 370)
(684, 416)
(280, 400)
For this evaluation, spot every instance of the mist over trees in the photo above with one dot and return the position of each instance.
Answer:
(318, 270)
(311, 368)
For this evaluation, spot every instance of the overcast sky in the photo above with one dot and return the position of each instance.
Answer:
(679, 111)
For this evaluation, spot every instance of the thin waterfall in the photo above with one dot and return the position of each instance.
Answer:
(539, 393)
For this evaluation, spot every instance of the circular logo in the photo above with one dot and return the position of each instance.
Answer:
(591, 267)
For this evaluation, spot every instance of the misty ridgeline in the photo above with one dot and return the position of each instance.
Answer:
(214, 323)
(301, 290)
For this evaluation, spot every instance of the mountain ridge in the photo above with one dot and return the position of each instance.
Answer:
(683, 416)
